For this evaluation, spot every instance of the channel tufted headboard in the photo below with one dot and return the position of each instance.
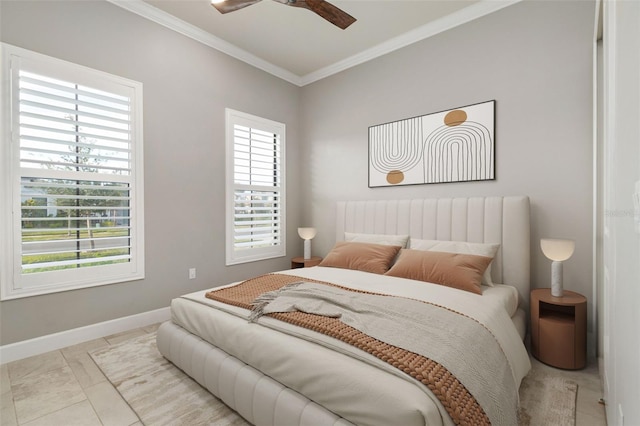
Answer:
(503, 220)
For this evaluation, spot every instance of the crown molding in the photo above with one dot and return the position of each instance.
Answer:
(477, 10)
(165, 19)
(445, 23)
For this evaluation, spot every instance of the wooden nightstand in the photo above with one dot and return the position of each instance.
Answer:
(559, 328)
(299, 262)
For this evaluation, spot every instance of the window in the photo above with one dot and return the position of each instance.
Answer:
(255, 188)
(72, 186)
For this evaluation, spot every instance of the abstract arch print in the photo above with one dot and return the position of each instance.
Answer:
(456, 145)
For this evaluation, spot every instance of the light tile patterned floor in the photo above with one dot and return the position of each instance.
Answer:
(65, 387)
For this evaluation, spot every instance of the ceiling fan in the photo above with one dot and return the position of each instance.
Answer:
(323, 8)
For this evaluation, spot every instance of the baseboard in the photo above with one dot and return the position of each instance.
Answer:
(52, 342)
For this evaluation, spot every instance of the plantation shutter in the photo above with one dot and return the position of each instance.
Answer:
(257, 197)
(75, 165)
(77, 145)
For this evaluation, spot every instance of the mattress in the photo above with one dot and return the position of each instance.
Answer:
(338, 376)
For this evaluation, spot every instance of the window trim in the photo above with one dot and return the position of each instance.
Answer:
(233, 117)
(11, 286)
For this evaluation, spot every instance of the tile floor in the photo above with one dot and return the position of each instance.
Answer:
(65, 387)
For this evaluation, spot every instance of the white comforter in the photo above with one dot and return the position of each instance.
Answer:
(369, 392)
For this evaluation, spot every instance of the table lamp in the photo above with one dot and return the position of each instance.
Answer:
(307, 234)
(558, 251)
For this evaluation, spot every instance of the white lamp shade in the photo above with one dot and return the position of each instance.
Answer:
(307, 233)
(556, 249)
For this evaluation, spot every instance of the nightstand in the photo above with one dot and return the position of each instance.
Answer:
(559, 328)
(300, 262)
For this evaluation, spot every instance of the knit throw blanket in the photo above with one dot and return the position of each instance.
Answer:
(456, 357)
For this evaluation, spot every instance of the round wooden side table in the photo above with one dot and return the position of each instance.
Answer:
(300, 262)
(559, 328)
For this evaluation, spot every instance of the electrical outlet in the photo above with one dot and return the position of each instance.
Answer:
(192, 273)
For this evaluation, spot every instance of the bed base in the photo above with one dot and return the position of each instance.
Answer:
(256, 397)
(264, 401)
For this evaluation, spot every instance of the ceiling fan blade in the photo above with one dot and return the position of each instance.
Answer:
(233, 5)
(331, 13)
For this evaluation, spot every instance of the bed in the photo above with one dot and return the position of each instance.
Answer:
(275, 373)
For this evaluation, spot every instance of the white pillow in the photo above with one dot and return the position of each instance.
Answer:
(461, 247)
(389, 240)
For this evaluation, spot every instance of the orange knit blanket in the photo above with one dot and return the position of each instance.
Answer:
(456, 399)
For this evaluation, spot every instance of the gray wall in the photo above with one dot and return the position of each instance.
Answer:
(186, 88)
(535, 59)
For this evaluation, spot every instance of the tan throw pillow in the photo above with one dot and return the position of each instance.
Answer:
(462, 247)
(461, 271)
(367, 257)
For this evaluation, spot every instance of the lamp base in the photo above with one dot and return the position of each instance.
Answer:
(307, 249)
(556, 279)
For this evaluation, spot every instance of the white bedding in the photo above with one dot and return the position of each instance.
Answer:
(343, 383)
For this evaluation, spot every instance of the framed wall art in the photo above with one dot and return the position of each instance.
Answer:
(456, 145)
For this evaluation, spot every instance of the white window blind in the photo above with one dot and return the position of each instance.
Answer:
(77, 196)
(255, 190)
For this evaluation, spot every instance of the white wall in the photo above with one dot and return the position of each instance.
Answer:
(187, 86)
(621, 241)
(535, 59)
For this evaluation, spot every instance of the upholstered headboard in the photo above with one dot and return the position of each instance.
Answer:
(503, 220)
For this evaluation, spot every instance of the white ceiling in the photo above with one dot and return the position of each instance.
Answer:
(301, 47)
